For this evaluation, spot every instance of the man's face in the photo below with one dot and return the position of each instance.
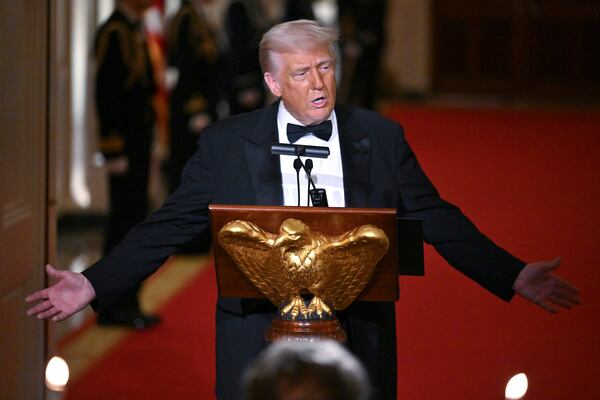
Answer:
(305, 81)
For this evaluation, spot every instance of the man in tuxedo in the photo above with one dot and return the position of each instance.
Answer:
(371, 165)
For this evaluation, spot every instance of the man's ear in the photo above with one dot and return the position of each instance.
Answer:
(272, 84)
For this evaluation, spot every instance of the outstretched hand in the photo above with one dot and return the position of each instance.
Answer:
(71, 293)
(538, 284)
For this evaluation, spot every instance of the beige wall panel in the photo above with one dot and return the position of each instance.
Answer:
(23, 184)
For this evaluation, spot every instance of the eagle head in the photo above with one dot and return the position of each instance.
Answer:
(293, 233)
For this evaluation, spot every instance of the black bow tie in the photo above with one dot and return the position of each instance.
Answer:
(322, 131)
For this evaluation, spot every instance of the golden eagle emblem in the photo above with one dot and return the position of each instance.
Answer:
(335, 269)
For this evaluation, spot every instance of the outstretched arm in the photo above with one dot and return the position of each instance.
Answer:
(538, 284)
(71, 293)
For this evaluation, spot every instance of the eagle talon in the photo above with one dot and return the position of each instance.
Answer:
(319, 307)
(295, 307)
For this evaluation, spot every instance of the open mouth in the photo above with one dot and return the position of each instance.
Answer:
(319, 101)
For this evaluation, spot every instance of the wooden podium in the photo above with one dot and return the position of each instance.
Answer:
(404, 255)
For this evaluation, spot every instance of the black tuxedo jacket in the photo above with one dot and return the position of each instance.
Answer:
(233, 165)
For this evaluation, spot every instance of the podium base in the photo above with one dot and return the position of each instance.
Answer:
(305, 330)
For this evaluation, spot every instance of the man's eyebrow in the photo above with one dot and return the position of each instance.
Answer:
(318, 63)
(301, 68)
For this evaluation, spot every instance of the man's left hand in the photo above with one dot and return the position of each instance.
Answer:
(538, 284)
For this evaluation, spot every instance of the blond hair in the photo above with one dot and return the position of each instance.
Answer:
(294, 36)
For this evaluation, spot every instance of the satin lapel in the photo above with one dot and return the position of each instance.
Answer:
(263, 167)
(355, 146)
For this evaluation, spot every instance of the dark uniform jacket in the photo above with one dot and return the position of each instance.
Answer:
(124, 86)
(192, 50)
(244, 25)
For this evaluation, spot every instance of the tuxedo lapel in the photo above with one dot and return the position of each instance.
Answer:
(355, 146)
(263, 167)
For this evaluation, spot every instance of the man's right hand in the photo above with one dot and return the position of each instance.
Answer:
(70, 294)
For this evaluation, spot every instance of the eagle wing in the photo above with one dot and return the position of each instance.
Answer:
(347, 262)
(252, 250)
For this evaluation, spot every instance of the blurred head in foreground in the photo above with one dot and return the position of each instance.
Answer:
(300, 370)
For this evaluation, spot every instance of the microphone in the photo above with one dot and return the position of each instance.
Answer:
(318, 197)
(309, 166)
(297, 166)
(284, 149)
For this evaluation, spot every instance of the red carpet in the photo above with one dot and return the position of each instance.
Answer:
(174, 360)
(530, 180)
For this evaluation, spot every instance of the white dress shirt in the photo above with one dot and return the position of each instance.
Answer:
(327, 172)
